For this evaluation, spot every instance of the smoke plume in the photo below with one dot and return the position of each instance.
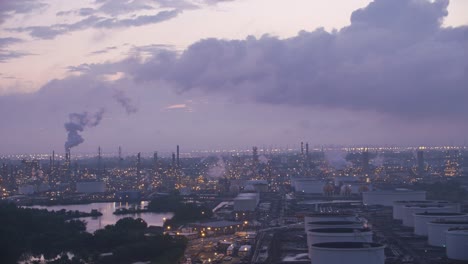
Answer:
(125, 102)
(218, 170)
(77, 123)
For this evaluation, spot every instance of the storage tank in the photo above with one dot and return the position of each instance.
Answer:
(436, 231)
(315, 217)
(410, 210)
(399, 205)
(347, 252)
(333, 224)
(387, 198)
(324, 235)
(457, 244)
(422, 219)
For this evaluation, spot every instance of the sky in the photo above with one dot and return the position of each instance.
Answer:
(223, 74)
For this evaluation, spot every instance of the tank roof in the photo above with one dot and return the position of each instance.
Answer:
(329, 214)
(350, 245)
(454, 222)
(440, 214)
(334, 222)
(458, 231)
(339, 230)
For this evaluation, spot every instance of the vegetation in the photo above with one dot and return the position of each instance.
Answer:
(183, 212)
(26, 233)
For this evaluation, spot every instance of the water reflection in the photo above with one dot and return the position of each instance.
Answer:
(107, 210)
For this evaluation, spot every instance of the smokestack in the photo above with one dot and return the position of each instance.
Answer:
(99, 163)
(178, 163)
(420, 156)
(173, 160)
(138, 165)
(365, 161)
(155, 160)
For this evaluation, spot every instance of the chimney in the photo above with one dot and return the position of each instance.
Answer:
(178, 163)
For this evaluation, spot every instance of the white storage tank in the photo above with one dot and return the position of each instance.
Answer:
(315, 217)
(399, 205)
(457, 244)
(333, 224)
(324, 235)
(347, 252)
(436, 231)
(410, 210)
(387, 198)
(422, 219)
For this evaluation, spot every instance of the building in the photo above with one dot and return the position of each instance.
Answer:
(90, 187)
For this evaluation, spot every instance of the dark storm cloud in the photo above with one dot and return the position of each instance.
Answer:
(394, 58)
(50, 32)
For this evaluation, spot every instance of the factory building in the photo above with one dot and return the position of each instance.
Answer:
(437, 231)
(90, 187)
(246, 202)
(422, 219)
(457, 244)
(308, 185)
(387, 198)
(347, 252)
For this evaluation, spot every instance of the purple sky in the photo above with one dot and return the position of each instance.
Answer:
(231, 74)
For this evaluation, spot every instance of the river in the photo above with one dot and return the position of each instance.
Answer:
(107, 210)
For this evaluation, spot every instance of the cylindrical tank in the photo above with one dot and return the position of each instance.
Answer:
(347, 252)
(399, 205)
(324, 235)
(457, 244)
(333, 224)
(314, 217)
(436, 231)
(421, 220)
(386, 198)
(410, 210)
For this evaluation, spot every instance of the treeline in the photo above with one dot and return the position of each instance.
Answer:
(183, 212)
(26, 233)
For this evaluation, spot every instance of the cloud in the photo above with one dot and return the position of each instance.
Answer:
(50, 32)
(395, 58)
(12, 7)
(6, 55)
(103, 51)
(179, 107)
